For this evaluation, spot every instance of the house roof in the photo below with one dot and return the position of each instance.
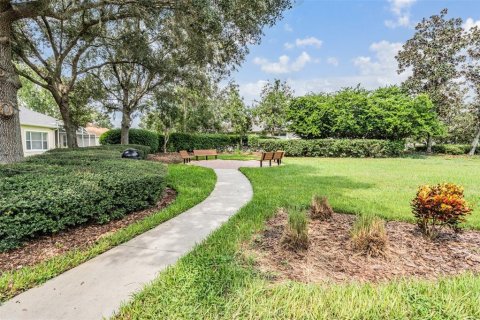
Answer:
(33, 118)
(93, 129)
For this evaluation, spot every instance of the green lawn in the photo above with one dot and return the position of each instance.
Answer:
(193, 184)
(237, 156)
(381, 186)
(217, 281)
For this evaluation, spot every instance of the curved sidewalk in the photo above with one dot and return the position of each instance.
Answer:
(96, 288)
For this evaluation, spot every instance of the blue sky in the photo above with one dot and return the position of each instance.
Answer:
(324, 45)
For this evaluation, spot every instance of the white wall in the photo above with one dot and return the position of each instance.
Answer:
(50, 137)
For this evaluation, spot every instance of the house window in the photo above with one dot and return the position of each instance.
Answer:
(37, 140)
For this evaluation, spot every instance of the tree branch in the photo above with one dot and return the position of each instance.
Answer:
(48, 32)
(30, 78)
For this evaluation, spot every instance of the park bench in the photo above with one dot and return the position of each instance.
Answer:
(185, 156)
(266, 156)
(269, 156)
(205, 153)
(278, 156)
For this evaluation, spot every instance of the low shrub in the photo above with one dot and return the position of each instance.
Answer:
(453, 149)
(136, 136)
(296, 231)
(369, 235)
(334, 148)
(438, 206)
(320, 208)
(190, 142)
(65, 188)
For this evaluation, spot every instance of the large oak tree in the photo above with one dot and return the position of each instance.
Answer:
(203, 37)
(434, 55)
(70, 30)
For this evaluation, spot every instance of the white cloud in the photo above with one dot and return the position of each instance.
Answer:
(287, 27)
(251, 91)
(376, 70)
(401, 11)
(310, 41)
(383, 63)
(333, 61)
(470, 23)
(283, 65)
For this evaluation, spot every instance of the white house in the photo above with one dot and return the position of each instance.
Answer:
(41, 133)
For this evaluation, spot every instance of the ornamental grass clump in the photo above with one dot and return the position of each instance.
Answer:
(369, 235)
(438, 206)
(296, 230)
(320, 208)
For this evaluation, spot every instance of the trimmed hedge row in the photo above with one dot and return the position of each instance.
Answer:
(136, 136)
(453, 149)
(65, 188)
(189, 142)
(334, 148)
(176, 141)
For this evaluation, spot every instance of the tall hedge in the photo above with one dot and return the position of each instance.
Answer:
(453, 149)
(386, 113)
(136, 136)
(49, 193)
(190, 142)
(359, 148)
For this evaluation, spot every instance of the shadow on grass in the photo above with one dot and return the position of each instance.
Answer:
(294, 186)
(422, 156)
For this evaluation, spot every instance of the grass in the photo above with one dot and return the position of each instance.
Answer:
(237, 156)
(369, 235)
(193, 184)
(296, 231)
(217, 281)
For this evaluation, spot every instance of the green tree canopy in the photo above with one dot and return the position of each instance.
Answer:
(386, 113)
(236, 114)
(270, 113)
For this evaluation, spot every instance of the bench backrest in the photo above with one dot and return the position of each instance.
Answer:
(184, 154)
(211, 152)
(267, 155)
(278, 155)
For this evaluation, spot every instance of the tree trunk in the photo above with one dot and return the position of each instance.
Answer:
(11, 149)
(429, 144)
(126, 122)
(166, 137)
(70, 128)
(475, 142)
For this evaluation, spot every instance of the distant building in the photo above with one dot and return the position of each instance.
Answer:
(41, 133)
(259, 129)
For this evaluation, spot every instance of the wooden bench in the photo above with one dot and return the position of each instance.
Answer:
(266, 156)
(269, 156)
(278, 156)
(185, 156)
(205, 153)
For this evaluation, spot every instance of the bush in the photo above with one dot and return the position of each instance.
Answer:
(320, 208)
(296, 231)
(136, 136)
(190, 142)
(440, 205)
(369, 235)
(354, 113)
(113, 151)
(335, 148)
(65, 188)
(453, 149)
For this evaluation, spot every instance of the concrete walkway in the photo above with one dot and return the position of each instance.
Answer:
(97, 288)
(227, 164)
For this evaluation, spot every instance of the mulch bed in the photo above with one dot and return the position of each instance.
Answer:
(330, 256)
(169, 157)
(46, 247)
